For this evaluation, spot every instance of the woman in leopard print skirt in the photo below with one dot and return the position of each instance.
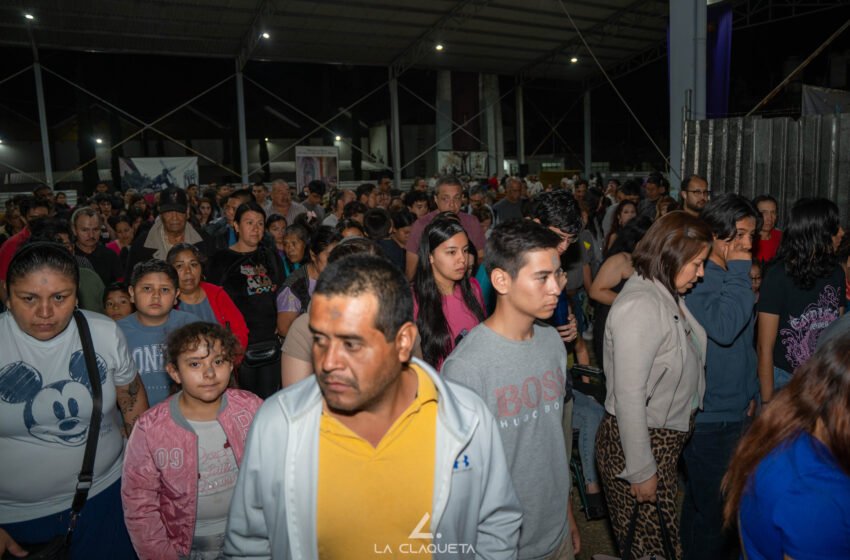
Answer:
(654, 368)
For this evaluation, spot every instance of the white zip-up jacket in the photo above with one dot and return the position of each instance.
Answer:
(475, 511)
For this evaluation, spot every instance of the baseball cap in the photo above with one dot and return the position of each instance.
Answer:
(173, 199)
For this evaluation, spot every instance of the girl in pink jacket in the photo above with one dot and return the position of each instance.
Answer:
(183, 456)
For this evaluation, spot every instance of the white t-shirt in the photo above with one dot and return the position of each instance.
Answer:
(217, 472)
(45, 410)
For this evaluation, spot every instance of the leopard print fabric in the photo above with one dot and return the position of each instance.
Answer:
(666, 448)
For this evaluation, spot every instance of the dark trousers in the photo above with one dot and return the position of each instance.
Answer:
(100, 532)
(707, 456)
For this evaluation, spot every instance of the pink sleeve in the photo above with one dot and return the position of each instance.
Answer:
(140, 487)
(415, 237)
(113, 245)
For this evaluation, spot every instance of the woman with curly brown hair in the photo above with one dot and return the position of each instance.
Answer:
(789, 480)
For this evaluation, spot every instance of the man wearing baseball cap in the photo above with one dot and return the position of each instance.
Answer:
(170, 228)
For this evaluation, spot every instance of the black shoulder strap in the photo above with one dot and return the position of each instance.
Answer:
(84, 481)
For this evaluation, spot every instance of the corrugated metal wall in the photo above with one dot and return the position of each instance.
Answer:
(786, 158)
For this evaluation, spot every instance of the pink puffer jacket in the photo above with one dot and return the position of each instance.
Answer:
(159, 486)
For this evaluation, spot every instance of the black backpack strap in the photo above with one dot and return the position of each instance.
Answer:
(84, 481)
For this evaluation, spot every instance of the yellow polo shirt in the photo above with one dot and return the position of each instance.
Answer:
(370, 499)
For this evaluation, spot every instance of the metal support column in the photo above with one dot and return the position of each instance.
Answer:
(687, 63)
(444, 109)
(396, 129)
(492, 122)
(243, 137)
(520, 126)
(588, 159)
(42, 122)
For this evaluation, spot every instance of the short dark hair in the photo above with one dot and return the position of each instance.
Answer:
(672, 241)
(322, 238)
(377, 223)
(115, 220)
(27, 203)
(249, 206)
(764, 198)
(403, 218)
(317, 186)
(103, 197)
(35, 255)
(274, 218)
(364, 190)
(686, 182)
(346, 223)
(115, 287)
(354, 207)
(630, 188)
(557, 209)
(189, 337)
(355, 275)
(154, 266)
(355, 246)
(49, 229)
(412, 197)
(245, 195)
(510, 241)
(723, 211)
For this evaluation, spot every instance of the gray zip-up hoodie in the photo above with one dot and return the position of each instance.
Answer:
(475, 512)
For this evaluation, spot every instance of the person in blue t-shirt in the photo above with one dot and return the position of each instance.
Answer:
(788, 484)
(154, 287)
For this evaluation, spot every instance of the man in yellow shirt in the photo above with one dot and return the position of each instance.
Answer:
(375, 454)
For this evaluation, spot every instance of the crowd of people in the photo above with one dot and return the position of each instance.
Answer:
(345, 373)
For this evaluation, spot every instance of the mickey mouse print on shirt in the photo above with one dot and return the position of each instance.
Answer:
(59, 412)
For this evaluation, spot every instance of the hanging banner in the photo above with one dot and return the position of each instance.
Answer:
(158, 173)
(825, 101)
(316, 162)
(453, 162)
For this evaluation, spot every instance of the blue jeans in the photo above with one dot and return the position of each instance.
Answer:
(587, 415)
(781, 378)
(100, 531)
(707, 456)
(576, 306)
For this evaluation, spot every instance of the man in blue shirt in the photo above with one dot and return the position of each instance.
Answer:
(723, 304)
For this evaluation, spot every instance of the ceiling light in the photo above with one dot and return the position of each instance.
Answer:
(266, 139)
(574, 59)
(29, 16)
(1, 140)
(99, 140)
(265, 35)
(439, 46)
(338, 138)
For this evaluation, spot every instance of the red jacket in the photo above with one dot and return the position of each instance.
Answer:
(159, 485)
(227, 314)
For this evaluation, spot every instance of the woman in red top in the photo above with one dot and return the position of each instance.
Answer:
(208, 301)
(767, 244)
